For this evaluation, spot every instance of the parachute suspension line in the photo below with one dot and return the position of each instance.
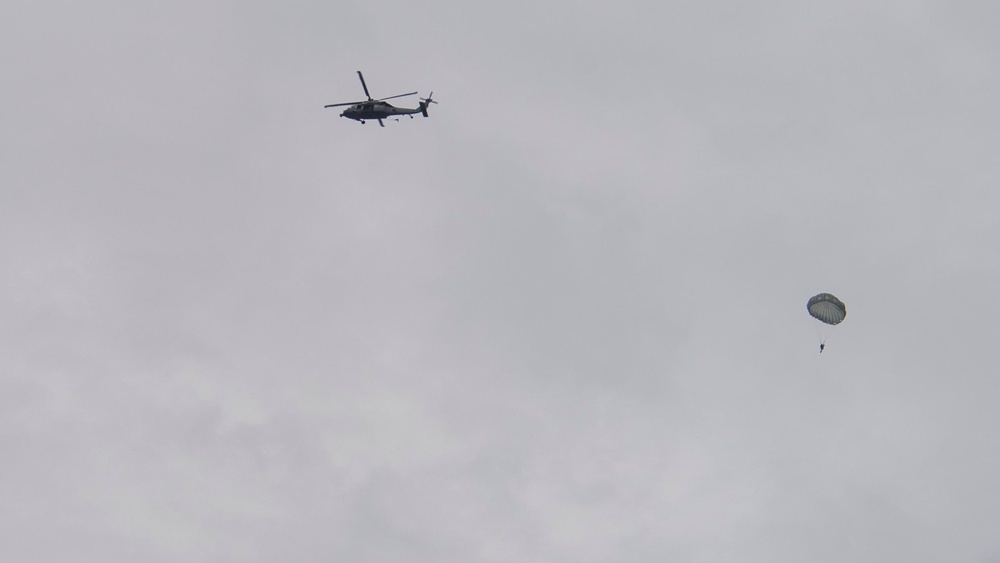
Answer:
(823, 333)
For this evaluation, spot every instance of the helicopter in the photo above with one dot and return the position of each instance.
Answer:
(379, 109)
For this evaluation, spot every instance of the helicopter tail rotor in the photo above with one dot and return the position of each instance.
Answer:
(424, 102)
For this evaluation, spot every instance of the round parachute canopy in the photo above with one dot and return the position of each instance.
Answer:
(827, 308)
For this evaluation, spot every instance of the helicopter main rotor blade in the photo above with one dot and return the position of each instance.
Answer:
(363, 85)
(345, 104)
(396, 96)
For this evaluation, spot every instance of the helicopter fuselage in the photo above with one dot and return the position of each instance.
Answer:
(375, 110)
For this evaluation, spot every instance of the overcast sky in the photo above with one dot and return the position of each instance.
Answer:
(561, 320)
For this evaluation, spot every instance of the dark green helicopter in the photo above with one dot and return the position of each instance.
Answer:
(379, 109)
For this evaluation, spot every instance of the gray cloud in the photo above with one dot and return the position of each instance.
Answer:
(563, 319)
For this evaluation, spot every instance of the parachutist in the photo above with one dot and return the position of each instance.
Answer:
(827, 309)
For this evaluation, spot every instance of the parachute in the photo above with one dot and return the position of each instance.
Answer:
(827, 309)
